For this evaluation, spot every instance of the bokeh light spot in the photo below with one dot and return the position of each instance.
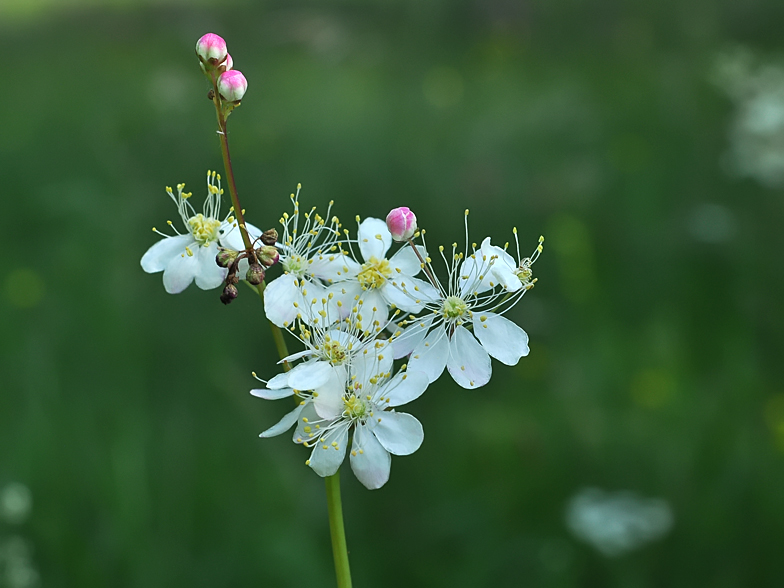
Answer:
(443, 86)
(774, 417)
(653, 388)
(24, 288)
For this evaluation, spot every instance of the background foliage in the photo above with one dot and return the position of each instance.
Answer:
(656, 341)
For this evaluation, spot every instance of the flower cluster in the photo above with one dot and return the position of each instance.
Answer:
(356, 309)
(355, 306)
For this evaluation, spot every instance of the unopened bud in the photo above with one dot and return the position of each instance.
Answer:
(211, 50)
(401, 222)
(230, 292)
(229, 63)
(255, 274)
(225, 256)
(268, 255)
(232, 85)
(269, 237)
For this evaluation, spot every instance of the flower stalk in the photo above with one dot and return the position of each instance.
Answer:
(224, 143)
(334, 504)
(337, 531)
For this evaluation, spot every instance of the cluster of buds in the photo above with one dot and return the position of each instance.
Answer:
(259, 259)
(217, 65)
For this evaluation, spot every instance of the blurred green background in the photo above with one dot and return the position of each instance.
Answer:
(656, 324)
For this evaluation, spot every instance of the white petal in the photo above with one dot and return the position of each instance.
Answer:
(409, 294)
(370, 462)
(502, 257)
(272, 394)
(284, 424)
(329, 454)
(210, 274)
(468, 363)
(159, 255)
(431, 354)
(346, 294)
(231, 237)
(374, 311)
(473, 275)
(310, 375)
(398, 432)
(374, 238)
(377, 361)
(410, 337)
(181, 270)
(333, 267)
(501, 338)
(404, 387)
(279, 381)
(297, 355)
(279, 298)
(314, 298)
(406, 261)
(501, 266)
(328, 399)
(306, 424)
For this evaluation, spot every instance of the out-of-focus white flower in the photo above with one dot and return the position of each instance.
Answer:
(483, 284)
(311, 256)
(359, 397)
(619, 522)
(380, 282)
(16, 501)
(756, 132)
(191, 255)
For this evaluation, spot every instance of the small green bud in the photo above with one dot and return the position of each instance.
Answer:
(230, 292)
(225, 256)
(268, 255)
(255, 274)
(269, 237)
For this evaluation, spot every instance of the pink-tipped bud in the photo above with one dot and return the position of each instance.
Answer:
(229, 63)
(232, 85)
(401, 222)
(211, 50)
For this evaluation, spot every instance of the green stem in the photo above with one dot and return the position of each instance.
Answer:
(337, 532)
(277, 334)
(224, 143)
(334, 506)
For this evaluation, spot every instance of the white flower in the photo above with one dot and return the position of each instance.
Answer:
(331, 347)
(309, 255)
(185, 257)
(380, 282)
(482, 286)
(355, 399)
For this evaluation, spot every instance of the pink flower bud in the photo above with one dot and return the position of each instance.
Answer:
(229, 63)
(211, 50)
(401, 222)
(232, 85)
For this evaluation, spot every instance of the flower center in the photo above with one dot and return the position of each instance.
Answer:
(525, 273)
(355, 408)
(294, 264)
(374, 273)
(334, 352)
(204, 229)
(454, 307)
